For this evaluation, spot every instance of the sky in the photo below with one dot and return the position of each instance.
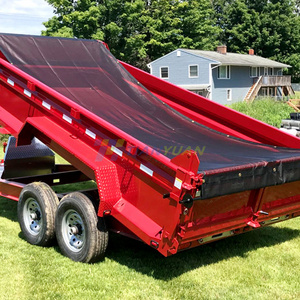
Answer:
(24, 16)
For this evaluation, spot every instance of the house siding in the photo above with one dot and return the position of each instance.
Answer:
(179, 68)
(236, 87)
(239, 83)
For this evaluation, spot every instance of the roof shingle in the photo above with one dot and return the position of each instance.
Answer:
(236, 59)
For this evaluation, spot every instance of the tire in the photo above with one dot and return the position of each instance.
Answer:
(36, 213)
(80, 234)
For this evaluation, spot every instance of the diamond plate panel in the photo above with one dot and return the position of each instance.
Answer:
(108, 186)
(35, 149)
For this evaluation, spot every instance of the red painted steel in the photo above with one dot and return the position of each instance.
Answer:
(142, 190)
(212, 114)
(10, 189)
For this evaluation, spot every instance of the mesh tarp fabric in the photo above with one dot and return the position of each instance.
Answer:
(88, 74)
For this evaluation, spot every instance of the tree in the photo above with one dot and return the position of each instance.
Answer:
(137, 31)
(240, 24)
(198, 24)
(280, 38)
(74, 19)
(270, 27)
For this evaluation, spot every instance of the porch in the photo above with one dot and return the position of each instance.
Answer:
(270, 86)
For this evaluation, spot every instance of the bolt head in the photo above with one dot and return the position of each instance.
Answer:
(33, 216)
(74, 230)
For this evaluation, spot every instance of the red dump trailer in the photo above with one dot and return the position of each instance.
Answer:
(169, 167)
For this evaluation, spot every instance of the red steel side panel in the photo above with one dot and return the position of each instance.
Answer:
(212, 114)
(232, 212)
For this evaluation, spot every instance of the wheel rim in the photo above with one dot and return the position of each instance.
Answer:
(73, 230)
(33, 217)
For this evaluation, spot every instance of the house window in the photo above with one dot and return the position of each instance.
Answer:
(229, 95)
(279, 72)
(223, 72)
(253, 71)
(271, 71)
(193, 71)
(268, 71)
(164, 72)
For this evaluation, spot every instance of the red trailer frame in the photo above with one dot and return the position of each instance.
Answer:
(142, 193)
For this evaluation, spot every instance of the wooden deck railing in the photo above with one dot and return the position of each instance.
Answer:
(284, 80)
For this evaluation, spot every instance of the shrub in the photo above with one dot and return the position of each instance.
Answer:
(267, 110)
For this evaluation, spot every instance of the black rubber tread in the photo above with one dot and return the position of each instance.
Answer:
(96, 233)
(48, 203)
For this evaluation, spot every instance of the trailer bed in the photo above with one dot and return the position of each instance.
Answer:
(172, 168)
(85, 72)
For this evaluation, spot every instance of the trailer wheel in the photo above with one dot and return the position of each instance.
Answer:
(80, 234)
(36, 213)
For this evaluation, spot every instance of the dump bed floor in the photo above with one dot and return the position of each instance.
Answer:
(87, 73)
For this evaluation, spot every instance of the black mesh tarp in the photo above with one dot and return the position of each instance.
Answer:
(87, 73)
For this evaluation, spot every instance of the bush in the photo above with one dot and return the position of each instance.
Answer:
(3, 138)
(267, 110)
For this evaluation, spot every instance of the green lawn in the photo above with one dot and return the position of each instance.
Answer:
(296, 95)
(262, 264)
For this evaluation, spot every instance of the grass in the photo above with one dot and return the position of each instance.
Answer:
(296, 95)
(266, 110)
(262, 264)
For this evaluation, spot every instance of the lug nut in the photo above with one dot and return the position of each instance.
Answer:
(74, 230)
(33, 216)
